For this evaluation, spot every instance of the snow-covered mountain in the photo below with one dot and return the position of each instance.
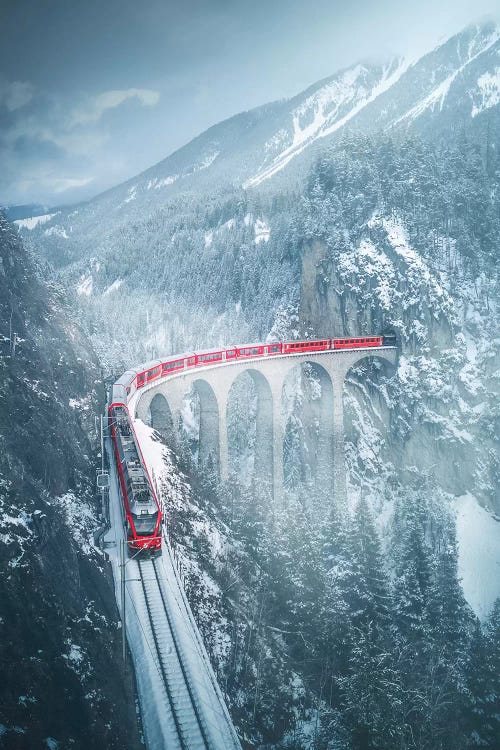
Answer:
(455, 86)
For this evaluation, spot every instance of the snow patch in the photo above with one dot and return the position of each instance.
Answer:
(34, 221)
(478, 535)
(113, 287)
(80, 519)
(156, 183)
(262, 231)
(489, 90)
(83, 404)
(85, 286)
(56, 231)
(74, 655)
(207, 161)
(132, 194)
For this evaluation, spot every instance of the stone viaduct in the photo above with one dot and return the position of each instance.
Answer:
(161, 404)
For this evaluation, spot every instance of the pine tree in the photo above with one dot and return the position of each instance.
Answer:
(373, 587)
(486, 684)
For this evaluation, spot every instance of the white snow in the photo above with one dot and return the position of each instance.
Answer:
(132, 194)
(85, 286)
(489, 90)
(209, 236)
(324, 106)
(156, 183)
(113, 287)
(80, 519)
(56, 232)
(34, 221)
(207, 161)
(262, 231)
(74, 655)
(83, 404)
(478, 535)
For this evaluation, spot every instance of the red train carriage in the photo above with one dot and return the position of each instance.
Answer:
(142, 514)
(251, 350)
(172, 366)
(358, 343)
(210, 357)
(296, 347)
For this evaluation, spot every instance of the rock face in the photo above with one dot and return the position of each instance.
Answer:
(371, 265)
(62, 678)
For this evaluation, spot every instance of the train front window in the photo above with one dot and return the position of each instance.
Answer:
(145, 523)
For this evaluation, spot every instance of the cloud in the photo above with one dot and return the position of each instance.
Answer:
(98, 105)
(15, 94)
(48, 149)
(61, 184)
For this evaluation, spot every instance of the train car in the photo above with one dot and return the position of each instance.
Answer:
(172, 365)
(142, 514)
(251, 350)
(274, 348)
(151, 371)
(357, 343)
(208, 357)
(124, 387)
(296, 347)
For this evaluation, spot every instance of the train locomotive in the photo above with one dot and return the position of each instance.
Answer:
(143, 517)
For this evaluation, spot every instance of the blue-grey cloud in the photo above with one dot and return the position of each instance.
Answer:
(93, 110)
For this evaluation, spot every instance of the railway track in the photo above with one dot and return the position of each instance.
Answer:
(190, 723)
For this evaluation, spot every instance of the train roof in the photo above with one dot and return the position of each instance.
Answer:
(148, 365)
(126, 378)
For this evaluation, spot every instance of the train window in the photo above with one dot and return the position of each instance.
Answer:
(145, 523)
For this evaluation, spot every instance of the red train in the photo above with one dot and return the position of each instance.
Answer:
(143, 517)
(158, 368)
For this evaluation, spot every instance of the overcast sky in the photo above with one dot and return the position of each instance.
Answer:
(94, 91)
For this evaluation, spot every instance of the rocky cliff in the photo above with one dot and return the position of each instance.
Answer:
(62, 682)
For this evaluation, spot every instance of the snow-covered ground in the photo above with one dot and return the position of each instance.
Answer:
(33, 221)
(478, 534)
